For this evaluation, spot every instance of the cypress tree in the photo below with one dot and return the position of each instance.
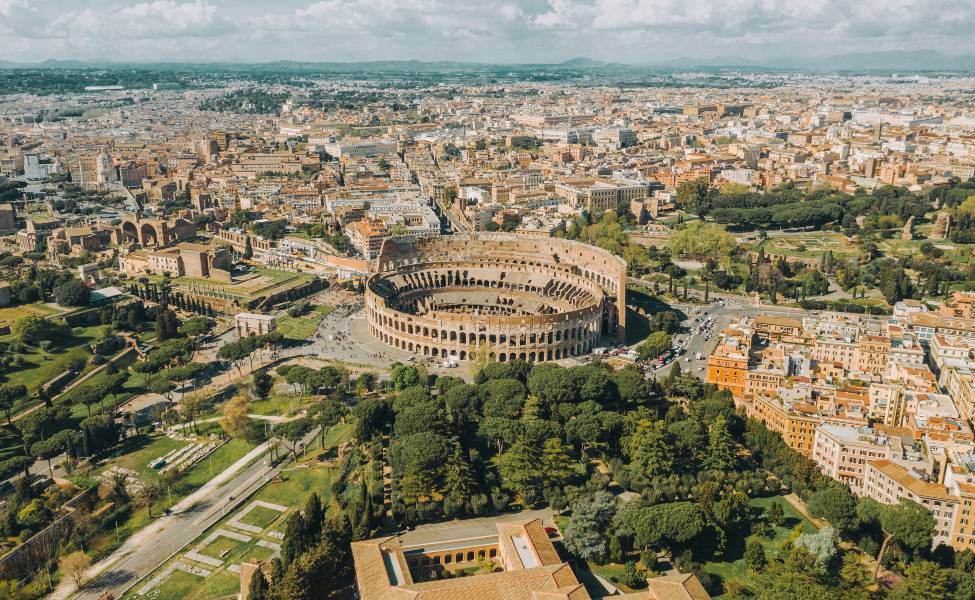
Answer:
(313, 517)
(259, 589)
(293, 544)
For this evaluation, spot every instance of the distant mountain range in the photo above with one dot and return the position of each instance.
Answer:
(905, 61)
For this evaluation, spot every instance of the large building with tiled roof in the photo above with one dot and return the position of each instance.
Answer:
(526, 567)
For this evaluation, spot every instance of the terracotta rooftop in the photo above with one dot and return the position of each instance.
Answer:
(781, 321)
(918, 487)
(533, 570)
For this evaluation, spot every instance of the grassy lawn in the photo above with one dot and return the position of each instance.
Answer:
(43, 365)
(296, 484)
(247, 287)
(145, 449)
(809, 245)
(340, 434)
(213, 465)
(140, 451)
(185, 586)
(334, 437)
(11, 313)
(10, 444)
(734, 567)
(302, 328)
(254, 553)
(222, 546)
(147, 335)
(871, 301)
(671, 219)
(280, 405)
(956, 253)
(260, 516)
(277, 276)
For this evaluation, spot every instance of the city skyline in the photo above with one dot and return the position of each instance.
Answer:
(498, 31)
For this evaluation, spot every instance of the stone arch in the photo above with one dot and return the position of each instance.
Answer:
(148, 235)
(130, 233)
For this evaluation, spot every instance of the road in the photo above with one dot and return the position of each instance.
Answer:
(733, 308)
(169, 534)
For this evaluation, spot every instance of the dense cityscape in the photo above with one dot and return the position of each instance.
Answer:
(298, 331)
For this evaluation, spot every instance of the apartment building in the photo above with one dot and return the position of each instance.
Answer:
(887, 482)
(872, 352)
(367, 236)
(257, 163)
(926, 325)
(597, 195)
(961, 305)
(728, 368)
(795, 422)
(771, 328)
(886, 402)
(345, 149)
(835, 350)
(761, 381)
(843, 452)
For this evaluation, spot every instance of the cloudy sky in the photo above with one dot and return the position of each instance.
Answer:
(634, 31)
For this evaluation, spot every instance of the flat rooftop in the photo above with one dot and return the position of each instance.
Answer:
(468, 529)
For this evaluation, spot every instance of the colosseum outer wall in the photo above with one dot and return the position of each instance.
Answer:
(505, 295)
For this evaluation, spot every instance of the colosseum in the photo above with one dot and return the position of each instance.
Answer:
(496, 295)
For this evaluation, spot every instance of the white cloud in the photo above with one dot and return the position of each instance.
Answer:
(566, 14)
(516, 30)
(169, 18)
